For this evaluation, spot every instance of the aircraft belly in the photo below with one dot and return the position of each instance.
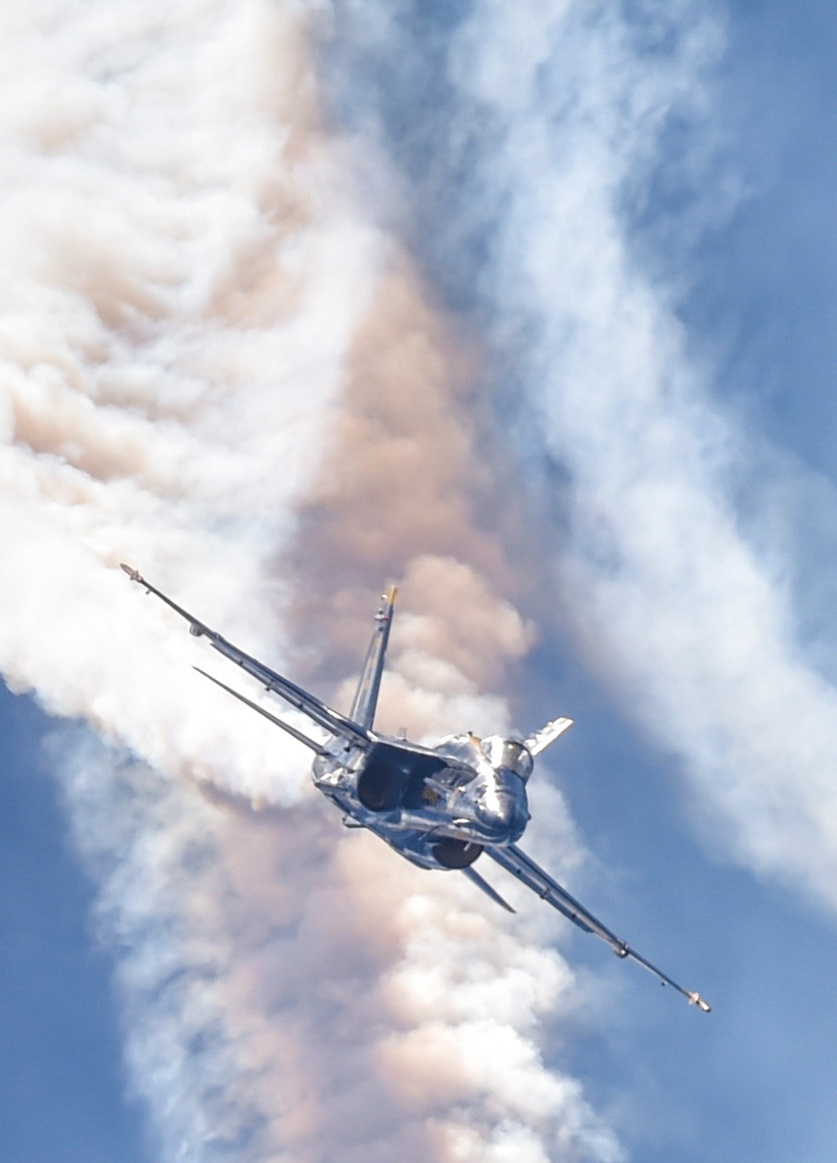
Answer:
(418, 845)
(427, 846)
(412, 845)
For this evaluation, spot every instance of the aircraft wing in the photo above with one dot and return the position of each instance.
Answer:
(526, 870)
(310, 705)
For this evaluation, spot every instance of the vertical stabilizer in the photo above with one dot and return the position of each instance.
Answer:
(538, 741)
(366, 696)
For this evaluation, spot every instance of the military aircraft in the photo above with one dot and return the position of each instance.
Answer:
(440, 807)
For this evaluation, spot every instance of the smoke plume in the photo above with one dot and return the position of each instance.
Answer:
(217, 367)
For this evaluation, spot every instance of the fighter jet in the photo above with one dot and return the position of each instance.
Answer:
(440, 807)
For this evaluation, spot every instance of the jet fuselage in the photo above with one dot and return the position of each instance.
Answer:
(438, 806)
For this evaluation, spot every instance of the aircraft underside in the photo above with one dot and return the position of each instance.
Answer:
(406, 797)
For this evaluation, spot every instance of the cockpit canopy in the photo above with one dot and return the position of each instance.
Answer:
(498, 751)
(464, 747)
(508, 753)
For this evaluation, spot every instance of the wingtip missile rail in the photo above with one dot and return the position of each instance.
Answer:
(196, 628)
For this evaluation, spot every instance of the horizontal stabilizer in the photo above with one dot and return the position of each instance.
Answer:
(538, 741)
(476, 879)
(298, 735)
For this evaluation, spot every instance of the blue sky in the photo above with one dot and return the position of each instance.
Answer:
(64, 1091)
(755, 1080)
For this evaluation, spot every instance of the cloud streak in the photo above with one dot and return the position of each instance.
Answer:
(676, 606)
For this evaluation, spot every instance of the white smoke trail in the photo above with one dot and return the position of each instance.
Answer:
(193, 309)
(684, 618)
(181, 276)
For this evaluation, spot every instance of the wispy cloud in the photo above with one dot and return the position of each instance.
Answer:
(674, 604)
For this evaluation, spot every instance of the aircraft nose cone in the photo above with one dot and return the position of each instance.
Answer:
(503, 814)
(504, 808)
